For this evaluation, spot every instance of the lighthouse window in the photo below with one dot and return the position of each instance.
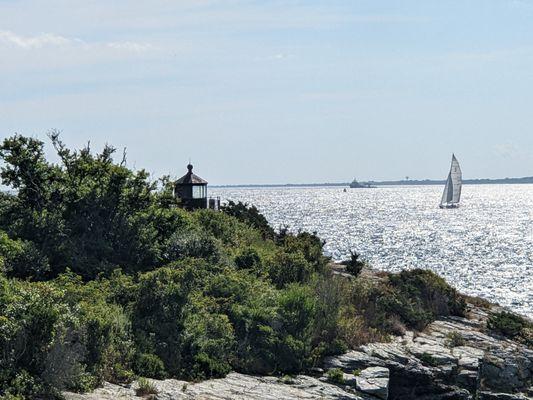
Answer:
(198, 192)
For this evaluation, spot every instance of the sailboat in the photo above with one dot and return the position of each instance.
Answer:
(452, 190)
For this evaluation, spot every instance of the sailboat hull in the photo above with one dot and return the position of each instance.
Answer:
(449, 206)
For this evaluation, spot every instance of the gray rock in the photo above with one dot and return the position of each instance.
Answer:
(350, 379)
(374, 381)
(352, 360)
(501, 396)
(468, 379)
(233, 387)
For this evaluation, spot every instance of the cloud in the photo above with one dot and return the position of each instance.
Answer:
(130, 46)
(52, 40)
(38, 41)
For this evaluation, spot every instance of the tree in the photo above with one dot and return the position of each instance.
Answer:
(86, 213)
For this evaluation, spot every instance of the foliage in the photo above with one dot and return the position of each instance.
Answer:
(418, 296)
(249, 215)
(511, 325)
(336, 375)
(86, 213)
(150, 365)
(354, 265)
(248, 258)
(58, 335)
(375, 309)
(103, 276)
(428, 359)
(145, 387)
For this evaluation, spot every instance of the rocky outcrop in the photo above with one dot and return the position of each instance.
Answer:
(374, 381)
(452, 359)
(234, 386)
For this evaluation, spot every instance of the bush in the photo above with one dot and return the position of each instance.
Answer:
(87, 212)
(508, 324)
(250, 216)
(150, 365)
(208, 345)
(310, 246)
(248, 258)
(419, 296)
(428, 359)
(191, 244)
(335, 375)
(297, 311)
(354, 266)
(22, 259)
(145, 387)
(287, 267)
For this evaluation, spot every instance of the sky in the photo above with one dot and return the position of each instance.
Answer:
(277, 91)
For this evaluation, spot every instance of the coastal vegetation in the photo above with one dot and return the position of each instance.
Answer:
(103, 277)
(512, 326)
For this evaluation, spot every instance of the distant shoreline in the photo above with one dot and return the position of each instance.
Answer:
(524, 180)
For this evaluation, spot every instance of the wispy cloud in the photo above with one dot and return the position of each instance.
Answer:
(47, 40)
(130, 46)
(38, 41)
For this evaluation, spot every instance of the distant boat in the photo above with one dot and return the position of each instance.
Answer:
(357, 185)
(452, 190)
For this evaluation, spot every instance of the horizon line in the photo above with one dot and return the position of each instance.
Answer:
(520, 180)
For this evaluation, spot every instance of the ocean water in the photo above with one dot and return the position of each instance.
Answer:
(484, 248)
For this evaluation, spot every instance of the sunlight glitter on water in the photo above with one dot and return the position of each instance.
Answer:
(484, 248)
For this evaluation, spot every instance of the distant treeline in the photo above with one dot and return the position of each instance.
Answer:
(528, 179)
(524, 180)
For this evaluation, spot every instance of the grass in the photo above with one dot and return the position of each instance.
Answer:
(287, 380)
(145, 387)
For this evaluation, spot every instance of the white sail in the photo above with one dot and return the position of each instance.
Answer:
(452, 191)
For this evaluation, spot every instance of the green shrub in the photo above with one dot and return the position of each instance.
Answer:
(250, 216)
(428, 359)
(286, 268)
(21, 259)
(86, 212)
(354, 265)
(508, 324)
(248, 258)
(192, 244)
(145, 387)
(158, 313)
(208, 342)
(419, 296)
(150, 365)
(297, 310)
(310, 246)
(335, 375)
